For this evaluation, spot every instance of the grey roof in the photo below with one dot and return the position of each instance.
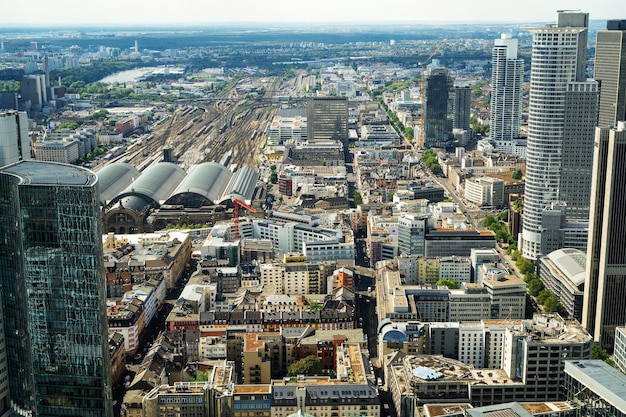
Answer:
(505, 410)
(242, 184)
(208, 180)
(571, 262)
(156, 183)
(600, 378)
(50, 173)
(114, 178)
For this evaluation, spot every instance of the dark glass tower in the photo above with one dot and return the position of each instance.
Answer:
(438, 127)
(327, 119)
(52, 285)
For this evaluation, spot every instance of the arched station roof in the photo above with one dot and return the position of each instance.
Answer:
(155, 184)
(114, 178)
(204, 185)
(242, 185)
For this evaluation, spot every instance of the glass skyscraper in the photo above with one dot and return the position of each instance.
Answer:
(52, 285)
(438, 126)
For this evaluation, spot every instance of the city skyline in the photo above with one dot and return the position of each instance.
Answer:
(143, 13)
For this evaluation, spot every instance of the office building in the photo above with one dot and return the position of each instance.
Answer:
(411, 234)
(506, 89)
(53, 291)
(34, 91)
(5, 404)
(619, 351)
(610, 72)
(605, 281)
(563, 273)
(562, 113)
(461, 107)
(438, 128)
(14, 139)
(327, 119)
(595, 388)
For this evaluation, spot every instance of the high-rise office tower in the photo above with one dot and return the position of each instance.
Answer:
(327, 118)
(438, 127)
(14, 140)
(52, 286)
(604, 305)
(461, 107)
(506, 89)
(561, 119)
(610, 72)
(5, 403)
(412, 234)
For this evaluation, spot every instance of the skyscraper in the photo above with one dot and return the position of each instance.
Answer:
(5, 404)
(327, 118)
(412, 234)
(506, 88)
(610, 72)
(438, 127)
(605, 282)
(14, 140)
(52, 287)
(461, 107)
(561, 119)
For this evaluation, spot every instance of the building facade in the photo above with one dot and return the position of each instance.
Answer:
(438, 127)
(53, 291)
(562, 111)
(506, 89)
(327, 119)
(14, 139)
(610, 70)
(605, 282)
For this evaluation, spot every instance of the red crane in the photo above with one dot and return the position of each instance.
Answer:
(238, 203)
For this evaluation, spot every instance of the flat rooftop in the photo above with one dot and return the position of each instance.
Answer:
(50, 173)
(252, 389)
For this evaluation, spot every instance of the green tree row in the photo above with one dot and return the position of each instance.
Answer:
(429, 158)
(10, 87)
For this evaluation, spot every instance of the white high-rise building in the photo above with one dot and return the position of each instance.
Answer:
(562, 115)
(14, 139)
(506, 87)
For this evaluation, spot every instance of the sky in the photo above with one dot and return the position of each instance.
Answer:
(177, 12)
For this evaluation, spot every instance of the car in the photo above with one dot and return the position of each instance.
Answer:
(137, 356)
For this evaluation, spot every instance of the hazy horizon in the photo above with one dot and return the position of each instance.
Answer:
(145, 13)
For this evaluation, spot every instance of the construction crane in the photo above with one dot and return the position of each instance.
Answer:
(422, 132)
(238, 203)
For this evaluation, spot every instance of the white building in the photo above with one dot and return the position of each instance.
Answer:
(506, 90)
(563, 108)
(458, 269)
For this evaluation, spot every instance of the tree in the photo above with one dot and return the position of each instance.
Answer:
(72, 125)
(517, 174)
(543, 296)
(273, 177)
(311, 365)
(201, 376)
(272, 167)
(316, 306)
(358, 200)
(535, 286)
(450, 283)
(553, 305)
(100, 113)
(408, 132)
